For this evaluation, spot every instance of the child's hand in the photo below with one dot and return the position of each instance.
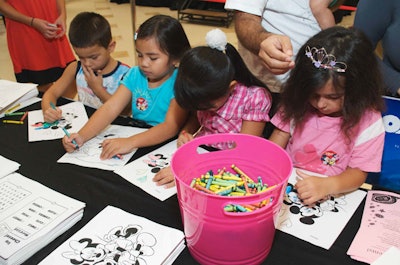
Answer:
(51, 115)
(93, 79)
(183, 138)
(311, 189)
(165, 177)
(69, 146)
(117, 146)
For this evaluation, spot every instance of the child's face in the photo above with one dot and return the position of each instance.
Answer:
(94, 57)
(328, 101)
(153, 62)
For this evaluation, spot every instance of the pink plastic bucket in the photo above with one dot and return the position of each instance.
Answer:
(213, 235)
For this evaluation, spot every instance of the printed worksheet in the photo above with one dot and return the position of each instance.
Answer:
(141, 171)
(31, 216)
(380, 227)
(74, 117)
(117, 237)
(88, 155)
(320, 224)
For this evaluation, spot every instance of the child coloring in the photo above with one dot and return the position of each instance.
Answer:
(160, 44)
(329, 119)
(96, 75)
(214, 83)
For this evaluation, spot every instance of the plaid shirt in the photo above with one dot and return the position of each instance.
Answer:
(244, 103)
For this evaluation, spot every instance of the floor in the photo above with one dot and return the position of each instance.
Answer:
(119, 16)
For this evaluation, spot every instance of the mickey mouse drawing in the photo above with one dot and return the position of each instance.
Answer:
(120, 246)
(308, 214)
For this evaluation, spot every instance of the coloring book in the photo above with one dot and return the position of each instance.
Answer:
(320, 224)
(31, 216)
(141, 171)
(117, 237)
(74, 118)
(88, 155)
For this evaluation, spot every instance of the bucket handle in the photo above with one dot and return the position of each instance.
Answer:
(248, 208)
(238, 141)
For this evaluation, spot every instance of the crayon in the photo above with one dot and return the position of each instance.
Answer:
(24, 116)
(118, 156)
(13, 108)
(67, 134)
(52, 105)
(237, 170)
(15, 114)
(13, 122)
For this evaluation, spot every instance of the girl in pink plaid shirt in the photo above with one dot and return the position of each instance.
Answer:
(214, 83)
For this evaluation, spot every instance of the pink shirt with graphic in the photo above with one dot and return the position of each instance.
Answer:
(321, 147)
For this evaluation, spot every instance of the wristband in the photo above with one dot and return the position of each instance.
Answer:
(32, 21)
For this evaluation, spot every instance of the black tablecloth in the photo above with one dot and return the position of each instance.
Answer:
(99, 188)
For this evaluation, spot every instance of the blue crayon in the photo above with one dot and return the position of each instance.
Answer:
(210, 180)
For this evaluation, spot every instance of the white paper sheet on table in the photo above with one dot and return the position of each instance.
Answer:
(379, 229)
(141, 171)
(390, 257)
(7, 166)
(74, 118)
(88, 155)
(319, 225)
(117, 237)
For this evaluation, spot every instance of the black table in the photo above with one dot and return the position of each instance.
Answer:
(99, 188)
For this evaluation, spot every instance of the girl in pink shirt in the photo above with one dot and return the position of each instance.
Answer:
(329, 117)
(215, 85)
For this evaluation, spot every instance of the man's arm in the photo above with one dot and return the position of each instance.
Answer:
(273, 49)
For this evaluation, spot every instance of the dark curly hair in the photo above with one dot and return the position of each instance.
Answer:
(362, 81)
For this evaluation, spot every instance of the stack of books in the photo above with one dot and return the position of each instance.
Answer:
(117, 237)
(15, 96)
(31, 215)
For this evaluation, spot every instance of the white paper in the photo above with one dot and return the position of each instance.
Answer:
(117, 237)
(390, 257)
(141, 171)
(32, 215)
(7, 166)
(74, 118)
(319, 225)
(89, 154)
(13, 93)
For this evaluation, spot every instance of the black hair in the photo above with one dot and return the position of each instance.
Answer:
(88, 29)
(205, 75)
(361, 82)
(169, 34)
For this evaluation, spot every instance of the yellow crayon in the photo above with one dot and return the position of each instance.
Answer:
(269, 188)
(13, 122)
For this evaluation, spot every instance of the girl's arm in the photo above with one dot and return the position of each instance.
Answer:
(100, 119)
(312, 188)
(174, 120)
(191, 126)
(253, 127)
(59, 87)
(11, 13)
(280, 137)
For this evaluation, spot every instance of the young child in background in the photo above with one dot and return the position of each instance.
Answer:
(160, 44)
(96, 74)
(214, 83)
(323, 11)
(329, 118)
